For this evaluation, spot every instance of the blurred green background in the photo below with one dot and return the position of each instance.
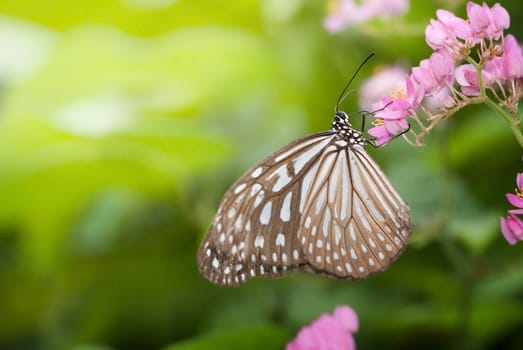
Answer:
(122, 122)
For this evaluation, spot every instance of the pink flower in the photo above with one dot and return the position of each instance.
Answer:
(512, 226)
(392, 110)
(517, 199)
(487, 22)
(392, 107)
(512, 58)
(385, 8)
(467, 78)
(435, 103)
(415, 92)
(379, 85)
(328, 332)
(494, 68)
(444, 32)
(512, 229)
(386, 130)
(435, 73)
(343, 13)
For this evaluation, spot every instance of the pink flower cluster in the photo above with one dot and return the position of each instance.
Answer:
(328, 332)
(499, 63)
(512, 226)
(343, 13)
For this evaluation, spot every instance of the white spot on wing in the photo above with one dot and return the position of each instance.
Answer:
(258, 242)
(337, 234)
(326, 221)
(255, 188)
(320, 201)
(361, 215)
(307, 156)
(239, 188)
(285, 211)
(283, 177)
(352, 231)
(259, 198)
(265, 215)
(306, 184)
(308, 222)
(215, 263)
(348, 267)
(257, 172)
(280, 240)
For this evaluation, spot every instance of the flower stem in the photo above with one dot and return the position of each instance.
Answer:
(512, 122)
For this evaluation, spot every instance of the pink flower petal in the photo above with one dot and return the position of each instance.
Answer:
(514, 200)
(519, 180)
(500, 16)
(381, 134)
(512, 58)
(509, 236)
(347, 317)
(479, 18)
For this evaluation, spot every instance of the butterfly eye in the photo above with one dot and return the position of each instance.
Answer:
(320, 204)
(342, 116)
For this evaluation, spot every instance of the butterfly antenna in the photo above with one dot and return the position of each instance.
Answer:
(344, 92)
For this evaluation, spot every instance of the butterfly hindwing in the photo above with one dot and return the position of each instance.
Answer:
(355, 223)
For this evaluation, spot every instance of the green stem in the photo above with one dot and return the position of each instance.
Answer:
(512, 122)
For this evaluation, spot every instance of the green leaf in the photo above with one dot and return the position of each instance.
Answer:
(263, 337)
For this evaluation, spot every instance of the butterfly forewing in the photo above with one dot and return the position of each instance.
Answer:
(254, 231)
(319, 204)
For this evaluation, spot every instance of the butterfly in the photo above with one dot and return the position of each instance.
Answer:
(320, 204)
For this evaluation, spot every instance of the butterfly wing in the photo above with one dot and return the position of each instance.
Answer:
(354, 222)
(255, 230)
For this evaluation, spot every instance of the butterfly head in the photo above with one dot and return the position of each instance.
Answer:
(345, 131)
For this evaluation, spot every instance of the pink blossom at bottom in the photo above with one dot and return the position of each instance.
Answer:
(517, 199)
(512, 229)
(328, 332)
(512, 226)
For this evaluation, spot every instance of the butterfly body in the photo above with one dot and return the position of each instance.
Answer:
(319, 204)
